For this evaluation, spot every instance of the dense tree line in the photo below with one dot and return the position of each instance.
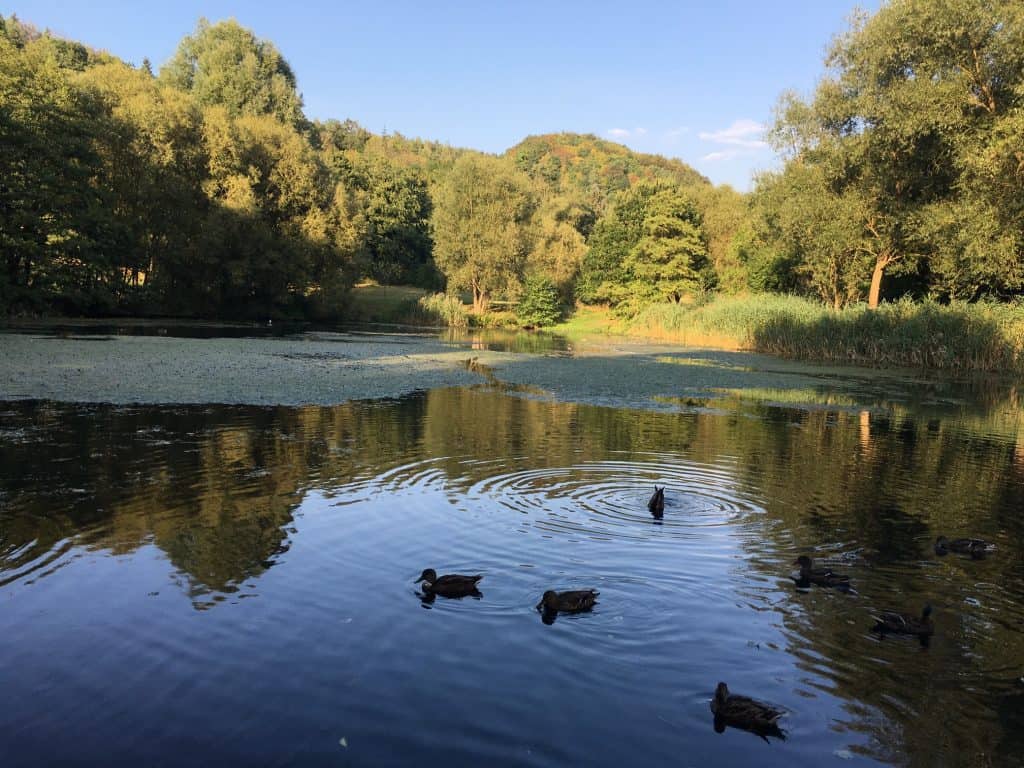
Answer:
(907, 161)
(205, 191)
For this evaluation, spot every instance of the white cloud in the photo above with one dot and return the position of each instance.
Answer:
(625, 133)
(727, 154)
(742, 133)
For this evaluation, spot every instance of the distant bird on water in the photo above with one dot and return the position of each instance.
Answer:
(656, 504)
(823, 577)
(976, 548)
(905, 623)
(450, 585)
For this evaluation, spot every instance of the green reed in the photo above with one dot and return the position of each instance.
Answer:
(983, 336)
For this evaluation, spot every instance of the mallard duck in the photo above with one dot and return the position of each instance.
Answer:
(976, 548)
(745, 713)
(905, 624)
(824, 577)
(573, 601)
(450, 585)
(656, 504)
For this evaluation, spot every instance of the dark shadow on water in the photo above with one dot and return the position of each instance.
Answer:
(763, 732)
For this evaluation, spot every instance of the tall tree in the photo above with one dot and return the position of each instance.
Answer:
(913, 89)
(481, 224)
(225, 64)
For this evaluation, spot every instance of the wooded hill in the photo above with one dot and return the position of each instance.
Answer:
(203, 190)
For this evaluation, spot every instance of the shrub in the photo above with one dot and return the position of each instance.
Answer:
(539, 305)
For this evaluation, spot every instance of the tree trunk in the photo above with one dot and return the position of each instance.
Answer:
(881, 262)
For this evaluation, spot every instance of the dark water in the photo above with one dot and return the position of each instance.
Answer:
(233, 586)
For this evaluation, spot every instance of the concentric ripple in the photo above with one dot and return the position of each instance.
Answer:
(602, 499)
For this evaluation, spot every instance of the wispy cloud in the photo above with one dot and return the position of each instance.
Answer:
(742, 133)
(675, 133)
(727, 154)
(625, 133)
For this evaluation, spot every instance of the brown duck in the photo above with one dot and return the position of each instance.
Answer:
(656, 504)
(574, 601)
(823, 577)
(905, 624)
(976, 548)
(745, 713)
(450, 585)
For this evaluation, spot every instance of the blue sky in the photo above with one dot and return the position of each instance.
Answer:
(693, 80)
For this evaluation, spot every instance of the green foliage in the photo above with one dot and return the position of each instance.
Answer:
(539, 305)
(592, 169)
(649, 247)
(226, 65)
(906, 154)
(481, 224)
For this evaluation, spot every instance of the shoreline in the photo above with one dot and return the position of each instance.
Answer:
(329, 368)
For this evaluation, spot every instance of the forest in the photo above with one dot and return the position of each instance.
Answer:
(202, 189)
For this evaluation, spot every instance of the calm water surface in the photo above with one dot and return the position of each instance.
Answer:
(233, 586)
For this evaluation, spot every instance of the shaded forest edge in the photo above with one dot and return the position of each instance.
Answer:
(203, 191)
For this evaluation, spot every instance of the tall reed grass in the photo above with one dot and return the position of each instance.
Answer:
(439, 310)
(965, 337)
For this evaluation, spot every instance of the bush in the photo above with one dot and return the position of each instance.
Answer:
(539, 305)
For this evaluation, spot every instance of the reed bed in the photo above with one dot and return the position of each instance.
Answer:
(983, 336)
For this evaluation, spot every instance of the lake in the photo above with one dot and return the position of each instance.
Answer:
(199, 584)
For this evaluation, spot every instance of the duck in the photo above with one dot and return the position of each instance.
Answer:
(656, 504)
(745, 713)
(824, 577)
(573, 601)
(449, 585)
(976, 548)
(905, 623)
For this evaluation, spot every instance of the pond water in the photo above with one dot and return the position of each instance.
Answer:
(186, 585)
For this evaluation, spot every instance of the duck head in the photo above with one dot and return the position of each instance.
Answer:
(941, 547)
(549, 601)
(803, 561)
(721, 693)
(429, 575)
(927, 612)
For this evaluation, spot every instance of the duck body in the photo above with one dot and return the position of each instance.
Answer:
(745, 713)
(905, 624)
(573, 601)
(976, 548)
(823, 577)
(449, 585)
(656, 504)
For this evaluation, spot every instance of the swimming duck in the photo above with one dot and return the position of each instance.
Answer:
(450, 585)
(976, 548)
(573, 601)
(745, 713)
(823, 577)
(656, 504)
(905, 624)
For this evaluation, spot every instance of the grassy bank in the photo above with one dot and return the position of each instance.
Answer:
(962, 337)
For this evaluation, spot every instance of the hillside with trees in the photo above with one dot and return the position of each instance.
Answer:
(204, 191)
